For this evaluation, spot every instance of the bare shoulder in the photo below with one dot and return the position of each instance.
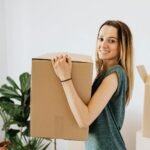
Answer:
(111, 78)
(110, 82)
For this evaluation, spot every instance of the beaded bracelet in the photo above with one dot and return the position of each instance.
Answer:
(66, 80)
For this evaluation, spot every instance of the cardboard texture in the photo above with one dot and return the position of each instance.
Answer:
(51, 116)
(146, 118)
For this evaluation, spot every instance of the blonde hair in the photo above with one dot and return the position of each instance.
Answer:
(126, 53)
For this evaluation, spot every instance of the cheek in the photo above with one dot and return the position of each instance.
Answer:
(97, 48)
(116, 48)
(117, 51)
(98, 44)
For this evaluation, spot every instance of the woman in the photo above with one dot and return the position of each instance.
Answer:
(111, 90)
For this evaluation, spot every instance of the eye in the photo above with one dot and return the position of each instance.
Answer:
(100, 39)
(111, 41)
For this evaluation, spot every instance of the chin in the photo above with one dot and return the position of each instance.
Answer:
(103, 57)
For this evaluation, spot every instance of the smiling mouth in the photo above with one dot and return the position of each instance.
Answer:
(104, 51)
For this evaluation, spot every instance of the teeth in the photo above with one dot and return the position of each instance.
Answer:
(104, 52)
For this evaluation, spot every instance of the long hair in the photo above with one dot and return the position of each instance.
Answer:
(126, 52)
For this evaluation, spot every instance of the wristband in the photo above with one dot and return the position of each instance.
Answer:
(65, 80)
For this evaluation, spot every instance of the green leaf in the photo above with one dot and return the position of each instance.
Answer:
(12, 133)
(36, 144)
(5, 86)
(26, 132)
(25, 81)
(5, 99)
(8, 123)
(12, 82)
(17, 143)
(46, 146)
(13, 110)
(9, 92)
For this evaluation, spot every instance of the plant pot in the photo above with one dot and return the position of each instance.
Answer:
(3, 148)
(4, 145)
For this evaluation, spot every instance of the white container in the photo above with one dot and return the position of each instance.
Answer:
(142, 143)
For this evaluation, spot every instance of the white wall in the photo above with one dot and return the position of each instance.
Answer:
(34, 27)
(3, 58)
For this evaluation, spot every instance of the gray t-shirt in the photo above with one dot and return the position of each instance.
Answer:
(104, 132)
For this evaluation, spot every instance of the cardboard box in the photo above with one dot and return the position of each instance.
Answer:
(51, 116)
(146, 111)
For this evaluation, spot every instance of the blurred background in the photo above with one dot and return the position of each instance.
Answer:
(29, 28)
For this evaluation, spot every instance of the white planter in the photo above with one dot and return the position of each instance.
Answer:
(142, 143)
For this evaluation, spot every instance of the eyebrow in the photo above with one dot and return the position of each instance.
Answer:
(110, 37)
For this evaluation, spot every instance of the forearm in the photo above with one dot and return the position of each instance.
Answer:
(77, 106)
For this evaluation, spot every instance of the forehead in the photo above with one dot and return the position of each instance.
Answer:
(108, 31)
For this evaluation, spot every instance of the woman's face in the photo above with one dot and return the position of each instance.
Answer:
(108, 44)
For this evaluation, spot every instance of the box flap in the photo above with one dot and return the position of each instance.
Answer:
(74, 57)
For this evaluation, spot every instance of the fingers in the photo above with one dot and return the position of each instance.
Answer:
(55, 60)
(62, 65)
(61, 58)
(69, 59)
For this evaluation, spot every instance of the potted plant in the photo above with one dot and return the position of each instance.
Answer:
(15, 113)
(4, 145)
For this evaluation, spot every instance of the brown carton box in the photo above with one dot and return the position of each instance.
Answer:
(51, 116)
(146, 111)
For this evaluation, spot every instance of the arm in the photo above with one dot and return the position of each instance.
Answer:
(86, 114)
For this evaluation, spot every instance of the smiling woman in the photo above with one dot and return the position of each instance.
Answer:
(111, 90)
(108, 46)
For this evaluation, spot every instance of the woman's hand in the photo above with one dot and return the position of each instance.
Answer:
(62, 65)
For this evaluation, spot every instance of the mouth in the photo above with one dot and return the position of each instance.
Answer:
(104, 51)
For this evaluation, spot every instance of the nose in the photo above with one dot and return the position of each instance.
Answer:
(103, 44)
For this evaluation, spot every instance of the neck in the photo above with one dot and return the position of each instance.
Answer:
(107, 64)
